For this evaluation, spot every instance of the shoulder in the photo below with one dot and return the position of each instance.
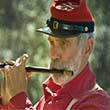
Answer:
(96, 100)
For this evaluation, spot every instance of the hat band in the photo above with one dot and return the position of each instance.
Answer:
(71, 27)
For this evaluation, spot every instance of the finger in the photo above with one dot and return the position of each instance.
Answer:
(20, 66)
(6, 70)
(25, 57)
(11, 63)
(3, 87)
(18, 61)
(7, 86)
(9, 72)
(2, 70)
(29, 74)
(4, 91)
(21, 60)
(9, 77)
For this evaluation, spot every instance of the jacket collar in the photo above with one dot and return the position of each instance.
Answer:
(85, 81)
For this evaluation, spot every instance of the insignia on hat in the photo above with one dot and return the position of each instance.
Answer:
(55, 25)
(66, 6)
(86, 29)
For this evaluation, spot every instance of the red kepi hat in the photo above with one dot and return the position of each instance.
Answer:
(69, 17)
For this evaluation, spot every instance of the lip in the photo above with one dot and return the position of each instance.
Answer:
(55, 68)
(58, 65)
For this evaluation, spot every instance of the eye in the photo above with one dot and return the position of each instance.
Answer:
(63, 43)
(66, 42)
(51, 42)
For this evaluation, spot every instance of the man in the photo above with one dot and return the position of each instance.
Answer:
(70, 31)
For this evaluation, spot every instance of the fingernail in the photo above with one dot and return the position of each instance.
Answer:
(26, 56)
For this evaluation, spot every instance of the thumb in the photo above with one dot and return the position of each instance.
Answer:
(22, 60)
(29, 74)
(25, 57)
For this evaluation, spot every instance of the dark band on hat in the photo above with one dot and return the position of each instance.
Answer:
(65, 28)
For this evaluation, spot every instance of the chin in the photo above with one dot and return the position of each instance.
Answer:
(60, 79)
(57, 79)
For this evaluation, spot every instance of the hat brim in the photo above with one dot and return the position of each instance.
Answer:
(48, 31)
(45, 30)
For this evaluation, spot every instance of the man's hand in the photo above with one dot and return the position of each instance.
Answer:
(15, 79)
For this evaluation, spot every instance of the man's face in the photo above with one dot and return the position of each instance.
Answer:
(64, 52)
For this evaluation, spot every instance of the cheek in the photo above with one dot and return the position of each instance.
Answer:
(69, 55)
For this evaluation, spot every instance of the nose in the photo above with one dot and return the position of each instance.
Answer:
(55, 53)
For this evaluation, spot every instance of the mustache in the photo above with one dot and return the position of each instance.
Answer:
(56, 64)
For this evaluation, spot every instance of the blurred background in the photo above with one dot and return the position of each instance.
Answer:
(18, 22)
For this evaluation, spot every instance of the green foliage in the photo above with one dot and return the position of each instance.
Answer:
(101, 55)
(18, 22)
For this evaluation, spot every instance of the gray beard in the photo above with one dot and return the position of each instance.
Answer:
(56, 64)
(73, 65)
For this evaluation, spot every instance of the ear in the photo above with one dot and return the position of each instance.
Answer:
(88, 47)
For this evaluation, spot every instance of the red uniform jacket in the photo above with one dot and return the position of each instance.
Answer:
(81, 93)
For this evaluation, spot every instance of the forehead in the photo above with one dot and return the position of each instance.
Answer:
(51, 38)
